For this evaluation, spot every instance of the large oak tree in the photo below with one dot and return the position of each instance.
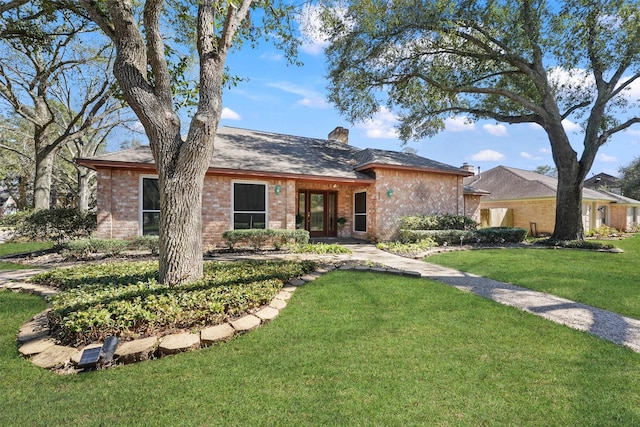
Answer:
(512, 61)
(147, 35)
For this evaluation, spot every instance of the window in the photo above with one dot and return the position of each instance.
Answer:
(249, 206)
(150, 203)
(360, 212)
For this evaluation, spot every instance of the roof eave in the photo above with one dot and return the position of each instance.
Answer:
(369, 166)
(110, 164)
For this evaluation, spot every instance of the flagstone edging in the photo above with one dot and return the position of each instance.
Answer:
(35, 342)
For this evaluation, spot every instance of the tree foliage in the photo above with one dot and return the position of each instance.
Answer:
(630, 179)
(511, 61)
(154, 40)
(52, 77)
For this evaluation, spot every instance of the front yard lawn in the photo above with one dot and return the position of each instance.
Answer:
(351, 348)
(18, 248)
(610, 281)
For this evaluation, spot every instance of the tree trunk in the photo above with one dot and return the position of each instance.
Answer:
(180, 229)
(84, 188)
(43, 179)
(569, 206)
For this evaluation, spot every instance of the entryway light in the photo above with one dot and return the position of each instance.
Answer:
(277, 190)
(389, 193)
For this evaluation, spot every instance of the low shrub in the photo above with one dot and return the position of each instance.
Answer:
(260, 238)
(408, 249)
(602, 231)
(149, 243)
(58, 225)
(459, 237)
(82, 248)
(317, 248)
(577, 244)
(437, 222)
(125, 299)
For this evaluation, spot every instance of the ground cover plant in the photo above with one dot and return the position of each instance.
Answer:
(606, 280)
(124, 299)
(351, 348)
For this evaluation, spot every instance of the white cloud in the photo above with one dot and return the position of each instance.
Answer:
(310, 98)
(459, 124)
(495, 130)
(570, 126)
(487, 156)
(382, 125)
(545, 150)
(529, 156)
(272, 56)
(229, 114)
(605, 158)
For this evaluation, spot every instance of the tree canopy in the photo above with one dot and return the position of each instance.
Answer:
(512, 61)
(630, 179)
(154, 41)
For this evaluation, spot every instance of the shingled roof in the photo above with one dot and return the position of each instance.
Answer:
(506, 183)
(248, 151)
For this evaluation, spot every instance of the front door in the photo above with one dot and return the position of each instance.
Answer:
(317, 212)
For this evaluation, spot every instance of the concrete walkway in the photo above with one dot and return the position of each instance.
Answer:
(604, 324)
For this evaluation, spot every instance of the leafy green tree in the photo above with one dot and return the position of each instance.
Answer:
(17, 166)
(630, 179)
(52, 76)
(150, 38)
(511, 61)
(547, 171)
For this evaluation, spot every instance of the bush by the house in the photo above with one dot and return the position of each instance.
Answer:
(83, 248)
(318, 248)
(408, 249)
(437, 222)
(125, 300)
(459, 237)
(258, 239)
(58, 225)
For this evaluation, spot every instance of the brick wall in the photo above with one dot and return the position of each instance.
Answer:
(117, 204)
(413, 193)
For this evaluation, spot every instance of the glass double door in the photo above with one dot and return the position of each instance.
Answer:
(317, 212)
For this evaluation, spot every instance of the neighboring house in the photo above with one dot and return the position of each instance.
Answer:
(8, 206)
(266, 180)
(604, 181)
(526, 199)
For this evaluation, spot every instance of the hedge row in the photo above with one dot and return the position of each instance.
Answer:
(437, 222)
(258, 239)
(82, 248)
(451, 237)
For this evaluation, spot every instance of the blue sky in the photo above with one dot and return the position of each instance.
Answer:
(287, 99)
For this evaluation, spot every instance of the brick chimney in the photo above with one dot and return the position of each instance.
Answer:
(339, 134)
(468, 168)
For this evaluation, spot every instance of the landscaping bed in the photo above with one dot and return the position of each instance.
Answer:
(125, 300)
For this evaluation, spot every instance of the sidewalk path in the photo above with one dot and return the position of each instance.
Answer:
(604, 324)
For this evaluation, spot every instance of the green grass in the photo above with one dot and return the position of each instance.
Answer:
(18, 248)
(351, 348)
(606, 280)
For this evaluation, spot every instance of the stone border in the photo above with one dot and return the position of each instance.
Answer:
(35, 342)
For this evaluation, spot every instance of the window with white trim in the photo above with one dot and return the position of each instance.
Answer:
(149, 206)
(360, 211)
(249, 205)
